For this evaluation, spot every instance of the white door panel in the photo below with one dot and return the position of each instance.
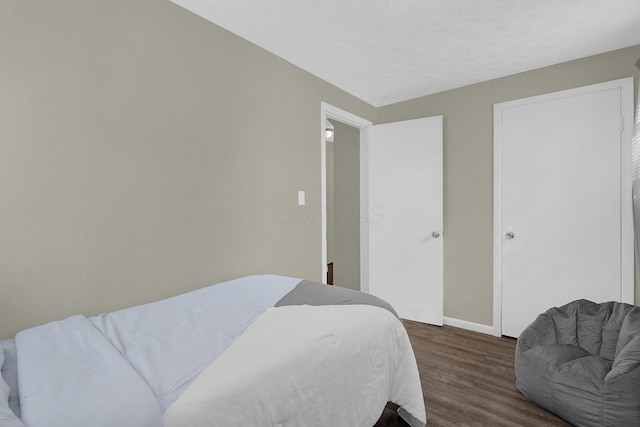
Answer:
(561, 198)
(405, 210)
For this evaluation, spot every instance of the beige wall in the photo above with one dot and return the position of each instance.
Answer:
(468, 166)
(346, 207)
(143, 153)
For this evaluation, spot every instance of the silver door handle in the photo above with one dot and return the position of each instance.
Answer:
(510, 235)
(435, 234)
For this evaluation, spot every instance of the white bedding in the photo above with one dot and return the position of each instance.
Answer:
(170, 342)
(220, 356)
(78, 371)
(326, 366)
(70, 375)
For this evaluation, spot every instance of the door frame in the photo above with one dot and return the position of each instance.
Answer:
(627, 263)
(328, 111)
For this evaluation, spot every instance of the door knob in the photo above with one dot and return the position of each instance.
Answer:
(435, 234)
(510, 235)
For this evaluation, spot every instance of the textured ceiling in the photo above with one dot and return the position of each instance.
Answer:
(386, 51)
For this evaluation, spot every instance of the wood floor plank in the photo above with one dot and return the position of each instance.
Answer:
(468, 380)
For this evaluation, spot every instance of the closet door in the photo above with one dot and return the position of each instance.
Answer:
(562, 202)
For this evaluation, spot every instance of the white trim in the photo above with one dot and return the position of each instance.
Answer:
(364, 210)
(627, 266)
(328, 111)
(497, 221)
(626, 229)
(469, 326)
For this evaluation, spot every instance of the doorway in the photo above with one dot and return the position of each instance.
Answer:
(356, 124)
(343, 205)
(400, 189)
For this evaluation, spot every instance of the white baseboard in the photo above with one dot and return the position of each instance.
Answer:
(470, 326)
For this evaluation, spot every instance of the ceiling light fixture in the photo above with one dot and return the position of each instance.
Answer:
(329, 131)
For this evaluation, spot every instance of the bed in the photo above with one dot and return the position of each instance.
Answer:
(256, 351)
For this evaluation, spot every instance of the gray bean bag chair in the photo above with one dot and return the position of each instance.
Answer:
(581, 361)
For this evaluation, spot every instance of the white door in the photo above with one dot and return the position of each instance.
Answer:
(406, 217)
(562, 204)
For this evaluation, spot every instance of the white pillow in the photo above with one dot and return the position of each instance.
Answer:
(7, 417)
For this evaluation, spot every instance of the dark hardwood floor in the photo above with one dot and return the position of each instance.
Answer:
(468, 380)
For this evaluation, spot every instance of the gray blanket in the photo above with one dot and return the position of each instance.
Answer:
(312, 293)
